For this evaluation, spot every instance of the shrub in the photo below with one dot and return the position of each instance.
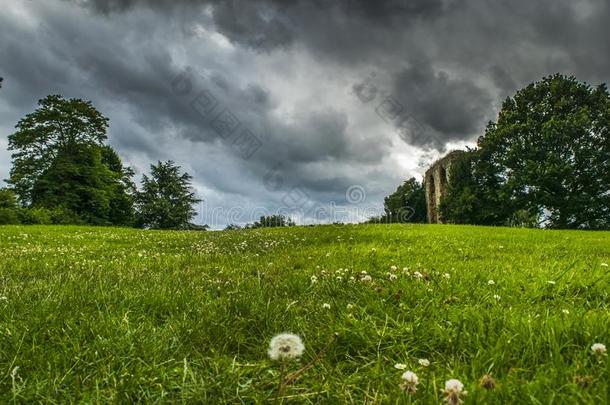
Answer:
(8, 216)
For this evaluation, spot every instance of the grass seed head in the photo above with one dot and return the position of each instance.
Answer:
(487, 382)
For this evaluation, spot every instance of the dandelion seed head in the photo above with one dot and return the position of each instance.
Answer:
(286, 346)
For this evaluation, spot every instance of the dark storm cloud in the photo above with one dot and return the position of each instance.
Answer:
(453, 108)
(449, 63)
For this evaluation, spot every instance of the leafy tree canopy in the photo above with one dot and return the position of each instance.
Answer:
(548, 155)
(58, 124)
(407, 203)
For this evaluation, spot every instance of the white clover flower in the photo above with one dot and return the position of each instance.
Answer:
(350, 306)
(400, 366)
(491, 282)
(314, 279)
(598, 348)
(424, 362)
(418, 275)
(409, 381)
(393, 268)
(497, 297)
(339, 278)
(326, 306)
(373, 250)
(286, 346)
(366, 278)
(393, 277)
(453, 391)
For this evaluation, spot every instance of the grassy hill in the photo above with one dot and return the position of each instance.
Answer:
(100, 314)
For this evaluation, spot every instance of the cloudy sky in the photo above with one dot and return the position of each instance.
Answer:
(318, 108)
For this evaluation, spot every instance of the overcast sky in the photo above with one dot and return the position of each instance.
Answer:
(309, 106)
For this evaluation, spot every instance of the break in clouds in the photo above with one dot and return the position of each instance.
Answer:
(330, 94)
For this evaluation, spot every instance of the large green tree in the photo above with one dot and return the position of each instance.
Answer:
(82, 180)
(166, 200)
(548, 155)
(57, 125)
(407, 203)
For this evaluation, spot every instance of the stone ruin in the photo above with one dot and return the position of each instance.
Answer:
(436, 180)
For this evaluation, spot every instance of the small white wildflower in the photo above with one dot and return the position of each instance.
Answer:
(314, 279)
(393, 277)
(393, 268)
(447, 275)
(326, 306)
(373, 250)
(366, 278)
(453, 391)
(491, 282)
(424, 362)
(417, 274)
(409, 381)
(400, 366)
(598, 348)
(565, 311)
(328, 254)
(350, 306)
(497, 297)
(286, 346)
(339, 278)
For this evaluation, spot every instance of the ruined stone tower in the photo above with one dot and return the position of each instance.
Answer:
(435, 182)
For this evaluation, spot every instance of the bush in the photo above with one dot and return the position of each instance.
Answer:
(65, 216)
(8, 216)
(35, 216)
(46, 216)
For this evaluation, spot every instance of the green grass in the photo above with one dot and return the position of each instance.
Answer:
(121, 315)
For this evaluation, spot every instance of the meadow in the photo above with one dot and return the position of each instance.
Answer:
(103, 315)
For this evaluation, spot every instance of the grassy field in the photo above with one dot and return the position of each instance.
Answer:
(121, 315)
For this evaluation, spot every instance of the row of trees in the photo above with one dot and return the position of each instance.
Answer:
(64, 172)
(544, 163)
